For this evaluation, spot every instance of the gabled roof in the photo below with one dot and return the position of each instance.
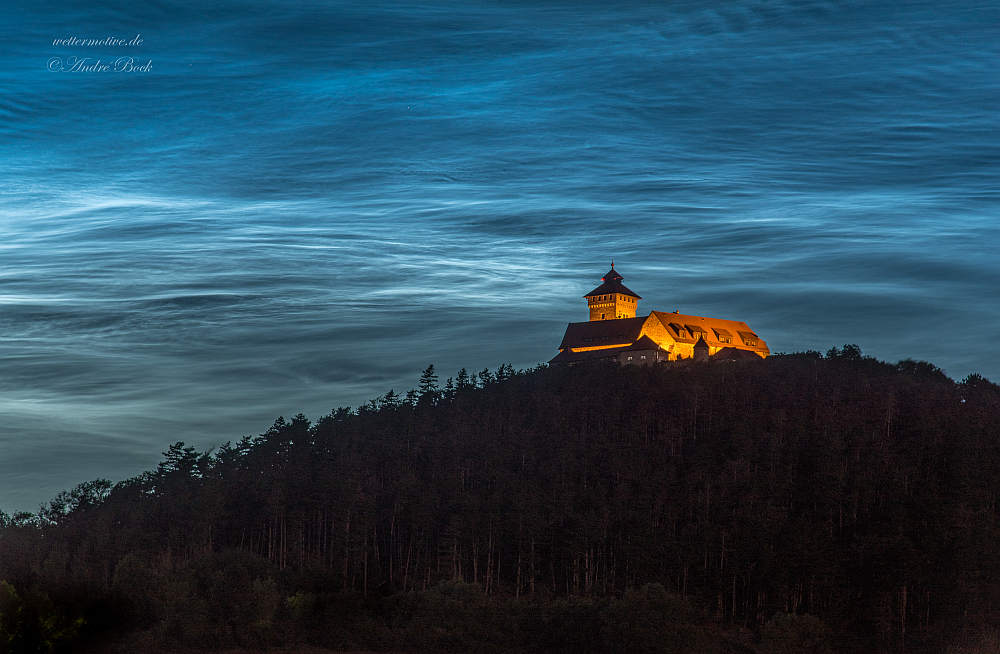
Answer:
(568, 356)
(612, 284)
(645, 343)
(623, 331)
(710, 329)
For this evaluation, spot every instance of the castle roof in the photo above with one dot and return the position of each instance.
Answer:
(612, 284)
(689, 329)
(644, 343)
(602, 333)
(569, 356)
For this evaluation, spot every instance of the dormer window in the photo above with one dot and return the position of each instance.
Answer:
(696, 331)
(722, 335)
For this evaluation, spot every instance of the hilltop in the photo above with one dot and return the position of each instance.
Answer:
(796, 503)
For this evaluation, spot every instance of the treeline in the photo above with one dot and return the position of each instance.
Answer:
(799, 503)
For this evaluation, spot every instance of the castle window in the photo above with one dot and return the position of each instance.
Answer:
(696, 331)
(722, 335)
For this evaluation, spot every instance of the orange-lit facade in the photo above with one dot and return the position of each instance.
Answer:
(614, 332)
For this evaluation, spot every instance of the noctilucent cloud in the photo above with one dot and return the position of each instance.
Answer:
(251, 209)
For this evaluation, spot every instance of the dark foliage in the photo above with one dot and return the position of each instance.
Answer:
(801, 503)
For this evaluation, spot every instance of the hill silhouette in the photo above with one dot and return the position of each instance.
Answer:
(801, 503)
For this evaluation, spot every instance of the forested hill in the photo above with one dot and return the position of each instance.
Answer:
(838, 500)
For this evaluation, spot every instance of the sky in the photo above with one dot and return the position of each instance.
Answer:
(216, 213)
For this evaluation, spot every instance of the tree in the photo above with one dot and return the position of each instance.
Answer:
(428, 381)
(390, 400)
(82, 497)
(858, 491)
(429, 391)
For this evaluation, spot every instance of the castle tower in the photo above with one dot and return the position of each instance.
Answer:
(701, 349)
(612, 299)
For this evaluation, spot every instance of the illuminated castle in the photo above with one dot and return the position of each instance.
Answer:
(614, 332)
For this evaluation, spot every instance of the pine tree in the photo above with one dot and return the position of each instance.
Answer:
(429, 392)
(389, 401)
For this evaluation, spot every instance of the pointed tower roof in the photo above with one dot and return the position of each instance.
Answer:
(612, 284)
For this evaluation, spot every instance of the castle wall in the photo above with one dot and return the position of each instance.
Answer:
(655, 330)
(615, 306)
(682, 351)
(641, 357)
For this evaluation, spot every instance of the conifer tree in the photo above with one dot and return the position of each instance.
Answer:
(428, 381)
